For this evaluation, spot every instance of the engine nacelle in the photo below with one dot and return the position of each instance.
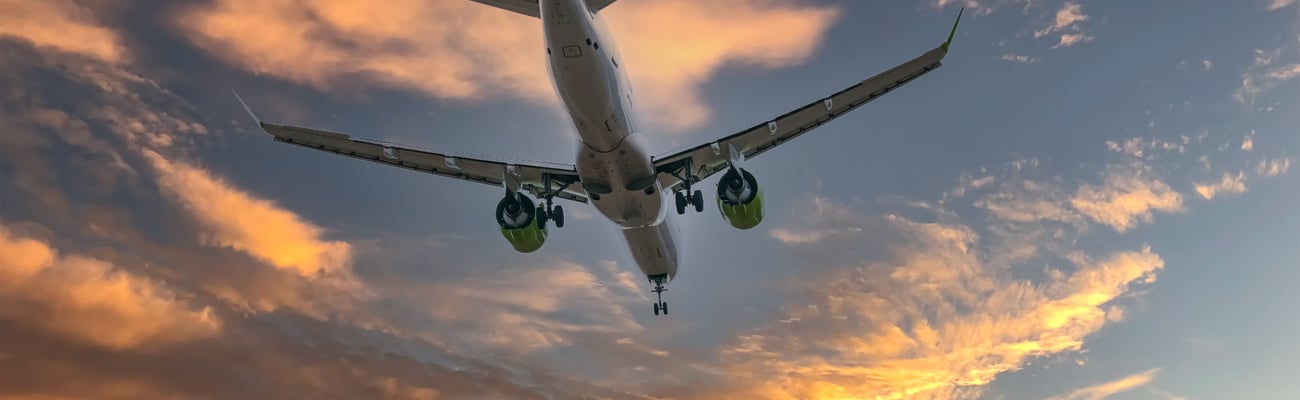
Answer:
(518, 220)
(740, 199)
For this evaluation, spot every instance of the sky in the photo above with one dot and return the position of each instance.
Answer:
(1090, 199)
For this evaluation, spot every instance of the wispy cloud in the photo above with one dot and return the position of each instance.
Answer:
(1265, 74)
(1128, 195)
(1020, 58)
(1105, 390)
(1279, 4)
(249, 224)
(394, 46)
(1068, 22)
(1274, 167)
(935, 320)
(1229, 184)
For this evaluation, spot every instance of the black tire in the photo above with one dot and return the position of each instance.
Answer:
(664, 306)
(698, 199)
(681, 203)
(541, 217)
(557, 215)
(656, 308)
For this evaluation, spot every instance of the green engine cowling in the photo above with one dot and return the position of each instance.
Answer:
(740, 200)
(518, 220)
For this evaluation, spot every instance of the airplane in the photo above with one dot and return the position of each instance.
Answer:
(614, 171)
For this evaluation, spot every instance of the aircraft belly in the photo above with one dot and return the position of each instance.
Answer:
(654, 248)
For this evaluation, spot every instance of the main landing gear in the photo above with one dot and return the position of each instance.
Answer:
(550, 212)
(686, 196)
(660, 305)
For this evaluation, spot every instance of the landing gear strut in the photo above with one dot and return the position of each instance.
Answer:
(549, 211)
(660, 305)
(685, 196)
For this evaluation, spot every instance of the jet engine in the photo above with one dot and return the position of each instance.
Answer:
(739, 199)
(517, 215)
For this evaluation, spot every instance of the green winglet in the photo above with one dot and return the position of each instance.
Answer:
(954, 30)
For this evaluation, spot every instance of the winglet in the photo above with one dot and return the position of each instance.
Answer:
(954, 30)
(256, 121)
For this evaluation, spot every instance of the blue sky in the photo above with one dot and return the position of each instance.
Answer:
(1089, 200)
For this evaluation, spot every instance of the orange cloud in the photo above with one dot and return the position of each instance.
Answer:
(1105, 390)
(60, 24)
(1229, 184)
(939, 321)
(255, 226)
(91, 301)
(463, 50)
(1128, 196)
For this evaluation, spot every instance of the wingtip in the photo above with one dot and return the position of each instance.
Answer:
(256, 121)
(954, 30)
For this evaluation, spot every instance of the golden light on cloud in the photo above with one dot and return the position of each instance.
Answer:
(1105, 390)
(937, 322)
(60, 24)
(1128, 196)
(235, 219)
(1229, 184)
(91, 301)
(455, 49)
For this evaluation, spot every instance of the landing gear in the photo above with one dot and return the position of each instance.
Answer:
(551, 212)
(685, 196)
(660, 305)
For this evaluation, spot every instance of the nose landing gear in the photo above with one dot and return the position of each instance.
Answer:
(660, 305)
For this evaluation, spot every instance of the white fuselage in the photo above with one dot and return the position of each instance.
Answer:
(612, 161)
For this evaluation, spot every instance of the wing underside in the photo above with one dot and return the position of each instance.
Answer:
(536, 178)
(707, 159)
(532, 9)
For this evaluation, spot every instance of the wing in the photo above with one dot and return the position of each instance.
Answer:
(531, 8)
(706, 159)
(525, 7)
(529, 176)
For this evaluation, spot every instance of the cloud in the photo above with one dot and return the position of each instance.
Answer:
(60, 24)
(1020, 58)
(1247, 144)
(1127, 196)
(1105, 390)
(91, 301)
(1274, 167)
(240, 221)
(1070, 39)
(1147, 148)
(1230, 184)
(1068, 20)
(935, 319)
(1264, 58)
(460, 58)
(139, 302)
(1279, 4)
(1264, 75)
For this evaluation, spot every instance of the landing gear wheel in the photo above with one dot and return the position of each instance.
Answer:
(663, 306)
(541, 217)
(697, 200)
(656, 308)
(681, 203)
(557, 215)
